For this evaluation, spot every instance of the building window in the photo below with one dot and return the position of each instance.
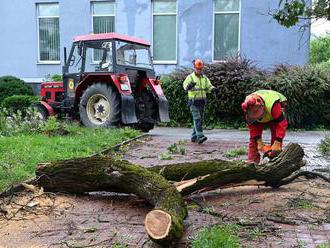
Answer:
(103, 17)
(164, 31)
(226, 28)
(103, 14)
(48, 32)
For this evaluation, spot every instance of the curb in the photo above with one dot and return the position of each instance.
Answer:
(117, 146)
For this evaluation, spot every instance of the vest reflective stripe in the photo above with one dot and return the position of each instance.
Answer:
(269, 97)
(200, 89)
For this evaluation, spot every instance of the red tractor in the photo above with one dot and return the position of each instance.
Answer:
(108, 79)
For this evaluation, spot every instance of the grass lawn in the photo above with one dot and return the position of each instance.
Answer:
(20, 154)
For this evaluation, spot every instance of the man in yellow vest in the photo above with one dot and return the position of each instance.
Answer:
(265, 107)
(197, 85)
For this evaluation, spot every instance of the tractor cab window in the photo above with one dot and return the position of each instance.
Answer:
(75, 60)
(98, 56)
(133, 55)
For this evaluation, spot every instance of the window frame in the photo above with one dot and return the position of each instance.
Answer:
(165, 62)
(47, 62)
(95, 62)
(239, 11)
(103, 15)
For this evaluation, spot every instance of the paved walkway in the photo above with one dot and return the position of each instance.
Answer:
(307, 139)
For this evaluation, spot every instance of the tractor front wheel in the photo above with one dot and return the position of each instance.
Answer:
(99, 106)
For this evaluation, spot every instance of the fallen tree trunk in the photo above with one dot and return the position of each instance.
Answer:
(208, 175)
(164, 224)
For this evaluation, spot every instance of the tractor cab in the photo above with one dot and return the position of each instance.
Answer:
(120, 64)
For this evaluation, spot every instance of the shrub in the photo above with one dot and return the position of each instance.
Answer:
(10, 86)
(18, 102)
(53, 127)
(177, 97)
(234, 78)
(320, 50)
(308, 92)
(306, 88)
(53, 78)
(12, 123)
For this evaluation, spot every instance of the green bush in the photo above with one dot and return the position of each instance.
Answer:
(12, 123)
(52, 78)
(235, 79)
(56, 78)
(308, 92)
(10, 86)
(306, 88)
(320, 50)
(18, 102)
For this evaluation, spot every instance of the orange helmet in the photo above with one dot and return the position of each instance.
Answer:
(198, 64)
(253, 107)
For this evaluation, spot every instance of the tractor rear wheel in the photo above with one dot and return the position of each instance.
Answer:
(99, 106)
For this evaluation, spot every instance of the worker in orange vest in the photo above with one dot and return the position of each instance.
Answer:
(265, 107)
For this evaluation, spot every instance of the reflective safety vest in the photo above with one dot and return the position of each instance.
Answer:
(269, 97)
(203, 86)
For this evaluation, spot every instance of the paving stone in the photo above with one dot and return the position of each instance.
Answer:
(326, 227)
(304, 236)
(319, 237)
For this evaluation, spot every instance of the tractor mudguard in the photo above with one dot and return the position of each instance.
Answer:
(162, 101)
(48, 108)
(128, 115)
(163, 109)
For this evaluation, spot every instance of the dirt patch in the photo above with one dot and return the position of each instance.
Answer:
(297, 215)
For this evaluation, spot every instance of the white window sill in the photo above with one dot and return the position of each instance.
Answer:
(165, 62)
(220, 61)
(48, 62)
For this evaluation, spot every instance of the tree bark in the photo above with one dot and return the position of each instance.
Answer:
(164, 224)
(208, 175)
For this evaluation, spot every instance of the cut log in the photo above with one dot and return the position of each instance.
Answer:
(164, 224)
(212, 174)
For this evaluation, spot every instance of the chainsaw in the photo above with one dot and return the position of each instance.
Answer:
(270, 153)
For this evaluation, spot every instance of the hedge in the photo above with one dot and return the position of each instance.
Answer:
(18, 102)
(307, 89)
(320, 50)
(10, 86)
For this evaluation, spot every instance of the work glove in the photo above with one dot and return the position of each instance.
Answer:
(277, 146)
(262, 147)
(190, 85)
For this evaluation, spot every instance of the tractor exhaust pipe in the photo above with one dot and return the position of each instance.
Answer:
(65, 58)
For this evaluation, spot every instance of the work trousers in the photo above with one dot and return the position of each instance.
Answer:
(197, 110)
